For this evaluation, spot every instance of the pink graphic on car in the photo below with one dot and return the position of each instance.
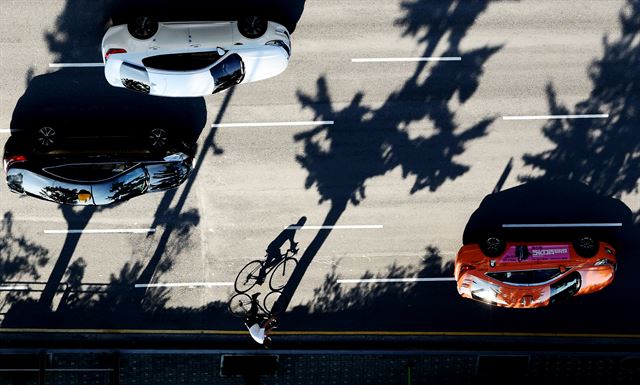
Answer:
(536, 253)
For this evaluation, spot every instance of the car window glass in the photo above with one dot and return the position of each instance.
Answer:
(566, 287)
(89, 172)
(526, 276)
(128, 185)
(166, 175)
(229, 72)
(182, 61)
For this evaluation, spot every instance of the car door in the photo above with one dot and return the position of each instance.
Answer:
(210, 35)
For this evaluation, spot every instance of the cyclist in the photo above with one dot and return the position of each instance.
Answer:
(274, 255)
(258, 324)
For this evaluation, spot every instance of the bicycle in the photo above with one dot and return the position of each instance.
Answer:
(255, 273)
(240, 304)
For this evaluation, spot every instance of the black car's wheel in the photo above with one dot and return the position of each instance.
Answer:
(143, 27)
(586, 246)
(252, 27)
(493, 246)
(46, 137)
(158, 138)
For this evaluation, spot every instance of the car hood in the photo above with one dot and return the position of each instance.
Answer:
(263, 63)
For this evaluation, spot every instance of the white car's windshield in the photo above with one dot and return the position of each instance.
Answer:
(228, 72)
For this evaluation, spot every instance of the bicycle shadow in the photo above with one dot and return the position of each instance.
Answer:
(275, 269)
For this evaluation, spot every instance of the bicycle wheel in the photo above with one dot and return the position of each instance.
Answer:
(248, 276)
(281, 273)
(239, 305)
(270, 300)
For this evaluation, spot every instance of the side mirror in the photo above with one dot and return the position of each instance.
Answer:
(221, 51)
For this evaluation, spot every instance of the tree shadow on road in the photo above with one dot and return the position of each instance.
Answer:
(20, 260)
(603, 153)
(367, 142)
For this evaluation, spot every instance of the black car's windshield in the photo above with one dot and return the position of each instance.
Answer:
(229, 72)
(166, 175)
(133, 183)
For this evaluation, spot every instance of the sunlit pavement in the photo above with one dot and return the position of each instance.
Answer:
(413, 148)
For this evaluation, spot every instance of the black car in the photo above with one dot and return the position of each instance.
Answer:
(67, 167)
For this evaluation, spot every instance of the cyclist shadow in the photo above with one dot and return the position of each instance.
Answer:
(275, 269)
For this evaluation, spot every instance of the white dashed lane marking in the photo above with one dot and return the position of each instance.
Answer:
(555, 117)
(404, 59)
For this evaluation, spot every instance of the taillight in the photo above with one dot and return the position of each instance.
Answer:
(112, 51)
(13, 159)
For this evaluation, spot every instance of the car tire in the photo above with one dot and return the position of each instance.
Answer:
(585, 246)
(143, 27)
(46, 138)
(493, 246)
(158, 139)
(252, 27)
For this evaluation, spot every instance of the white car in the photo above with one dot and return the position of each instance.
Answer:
(193, 58)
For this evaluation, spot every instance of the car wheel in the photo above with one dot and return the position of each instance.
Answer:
(493, 246)
(143, 27)
(586, 246)
(46, 137)
(252, 27)
(158, 138)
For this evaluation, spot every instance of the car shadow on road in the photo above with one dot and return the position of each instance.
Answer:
(81, 25)
(285, 12)
(80, 102)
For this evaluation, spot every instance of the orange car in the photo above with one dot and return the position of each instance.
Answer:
(533, 274)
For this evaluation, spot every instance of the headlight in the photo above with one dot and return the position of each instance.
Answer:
(602, 262)
(280, 43)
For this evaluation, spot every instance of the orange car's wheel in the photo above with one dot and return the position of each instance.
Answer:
(586, 246)
(493, 246)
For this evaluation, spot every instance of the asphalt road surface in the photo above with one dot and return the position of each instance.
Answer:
(393, 155)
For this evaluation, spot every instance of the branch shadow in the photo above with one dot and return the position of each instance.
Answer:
(367, 142)
(600, 152)
(20, 260)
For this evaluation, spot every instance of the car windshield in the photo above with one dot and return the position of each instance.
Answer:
(89, 172)
(229, 72)
(132, 183)
(135, 78)
(526, 276)
(166, 175)
(182, 61)
(566, 287)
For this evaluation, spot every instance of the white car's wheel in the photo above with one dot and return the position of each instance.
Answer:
(143, 27)
(252, 27)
